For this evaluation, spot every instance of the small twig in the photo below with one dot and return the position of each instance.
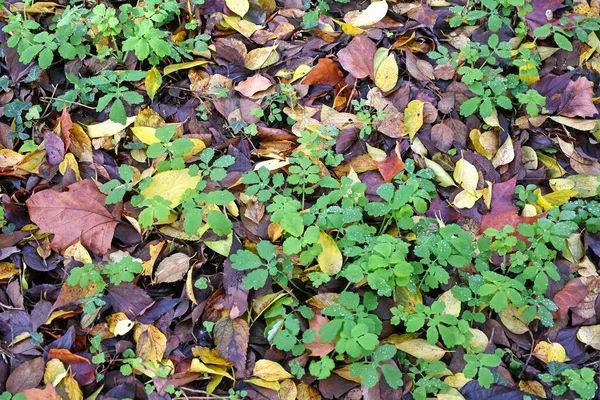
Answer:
(70, 102)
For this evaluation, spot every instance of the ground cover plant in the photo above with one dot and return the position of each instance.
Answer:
(294, 199)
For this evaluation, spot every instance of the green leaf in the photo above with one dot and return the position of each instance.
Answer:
(470, 106)
(117, 112)
(499, 302)
(563, 42)
(392, 375)
(256, 279)
(219, 223)
(244, 260)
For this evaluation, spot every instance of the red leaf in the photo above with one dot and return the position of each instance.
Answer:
(83, 369)
(65, 126)
(392, 165)
(326, 72)
(78, 214)
(574, 292)
(48, 393)
(504, 212)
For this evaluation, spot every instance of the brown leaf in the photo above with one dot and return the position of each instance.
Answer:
(326, 72)
(570, 296)
(357, 57)
(82, 369)
(577, 100)
(317, 347)
(48, 393)
(232, 341)
(78, 214)
(172, 268)
(27, 375)
(419, 69)
(253, 85)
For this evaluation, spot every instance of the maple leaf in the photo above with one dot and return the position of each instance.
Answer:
(76, 214)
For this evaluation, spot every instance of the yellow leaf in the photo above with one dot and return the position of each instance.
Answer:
(556, 171)
(533, 387)
(270, 371)
(261, 58)
(171, 185)
(369, 16)
(210, 356)
(55, 372)
(512, 320)
(441, 176)
(451, 303)
(288, 390)
(246, 28)
(150, 342)
(154, 250)
(119, 324)
(213, 383)
(421, 348)
(505, 154)
(590, 335)
(69, 389)
(386, 76)
(413, 117)
(450, 394)
(71, 162)
(457, 380)
(549, 352)
(559, 197)
(466, 175)
(330, 259)
(266, 384)
(198, 147)
(169, 69)
(7, 270)
(198, 366)
(348, 29)
(479, 341)
(240, 7)
(576, 123)
(9, 158)
(153, 82)
(108, 128)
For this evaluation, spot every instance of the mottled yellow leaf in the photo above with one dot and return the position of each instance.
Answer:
(386, 75)
(9, 158)
(590, 335)
(198, 366)
(8, 270)
(421, 348)
(413, 117)
(466, 175)
(169, 69)
(452, 304)
(261, 58)
(441, 176)
(549, 352)
(479, 341)
(270, 371)
(512, 320)
(171, 185)
(330, 259)
(107, 128)
(151, 343)
(369, 16)
(153, 82)
(533, 387)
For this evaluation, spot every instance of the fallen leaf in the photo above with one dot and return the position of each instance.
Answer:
(232, 342)
(578, 99)
(421, 348)
(240, 7)
(326, 72)
(27, 375)
(48, 393)
(330, 259)
(590, 335)
(270, 371)
(108, 128)
(172, 268)
(357, 57)
(75, 215)
(171, 185)
(151, 343)
(262, 57)
(369, 16)
(153, 82)
(413, 117)
(550, 352)
(386, 74)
